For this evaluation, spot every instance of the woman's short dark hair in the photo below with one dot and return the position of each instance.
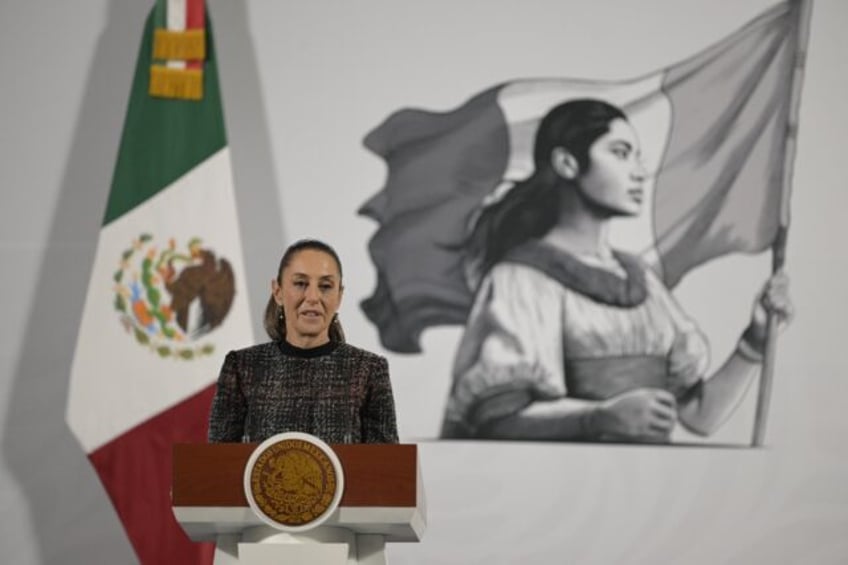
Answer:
(275, 325)
(530, 209)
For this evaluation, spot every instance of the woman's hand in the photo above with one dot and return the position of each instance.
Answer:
(772, 299)
(643, 414)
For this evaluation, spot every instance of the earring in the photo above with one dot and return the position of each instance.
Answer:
(280, 314)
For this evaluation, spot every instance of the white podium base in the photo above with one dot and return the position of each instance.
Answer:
(264, 545)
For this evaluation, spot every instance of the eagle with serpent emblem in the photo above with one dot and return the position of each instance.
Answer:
(169, 298)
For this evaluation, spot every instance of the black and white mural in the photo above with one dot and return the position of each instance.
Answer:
(499, 216)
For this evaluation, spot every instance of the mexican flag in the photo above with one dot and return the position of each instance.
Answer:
(167, 297)
(713, 130)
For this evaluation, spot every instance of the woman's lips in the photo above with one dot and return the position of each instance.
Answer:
(636, 194)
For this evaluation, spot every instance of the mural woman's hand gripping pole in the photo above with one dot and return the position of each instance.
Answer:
(772, 310)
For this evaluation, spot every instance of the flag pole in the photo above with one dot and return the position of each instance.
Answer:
(804, 8)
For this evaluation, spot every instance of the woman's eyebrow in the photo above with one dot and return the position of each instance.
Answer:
(307, 276)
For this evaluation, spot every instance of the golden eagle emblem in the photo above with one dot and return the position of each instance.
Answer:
(293, 483)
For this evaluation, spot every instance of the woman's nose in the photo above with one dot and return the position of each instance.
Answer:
(639, 171)
(311, 293)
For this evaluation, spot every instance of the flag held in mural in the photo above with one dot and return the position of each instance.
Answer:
(713, 130)
(166, 297)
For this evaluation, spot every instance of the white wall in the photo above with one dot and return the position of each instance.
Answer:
(302, 83)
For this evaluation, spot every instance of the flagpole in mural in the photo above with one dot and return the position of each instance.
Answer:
(779, 246)
(166, 298)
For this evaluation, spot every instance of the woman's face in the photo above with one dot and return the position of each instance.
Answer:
(616, 176)
(310, 295)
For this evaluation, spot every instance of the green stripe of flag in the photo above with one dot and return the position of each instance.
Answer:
(160, 11)
(162, 138)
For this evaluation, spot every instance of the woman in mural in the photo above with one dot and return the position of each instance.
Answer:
(569, 339)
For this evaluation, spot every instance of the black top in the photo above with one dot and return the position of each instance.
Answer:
(337, 392)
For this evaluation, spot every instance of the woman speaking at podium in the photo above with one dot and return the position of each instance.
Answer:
(307, 378)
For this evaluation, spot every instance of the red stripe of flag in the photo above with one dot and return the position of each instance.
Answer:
(135, 469)
(195, 14)
(195, 19)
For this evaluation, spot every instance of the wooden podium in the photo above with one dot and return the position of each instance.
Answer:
(382, 501)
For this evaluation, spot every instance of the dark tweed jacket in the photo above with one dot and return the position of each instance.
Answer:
(337, 392)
